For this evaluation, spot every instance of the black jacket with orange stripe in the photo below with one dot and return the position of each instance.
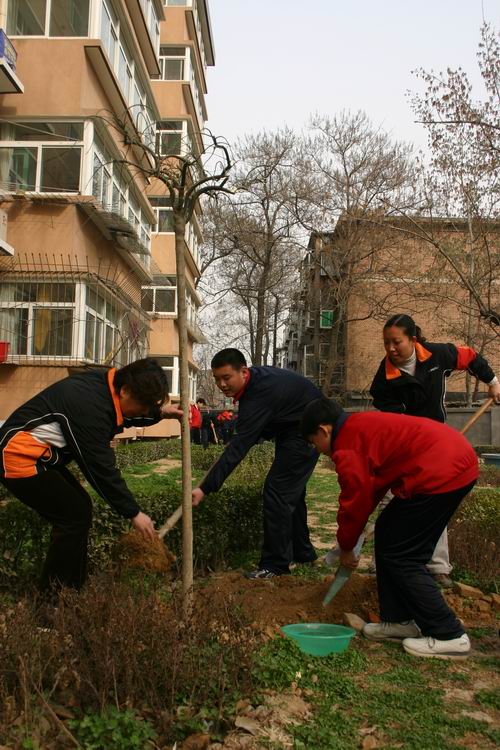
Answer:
(422, 395)
(86, 410)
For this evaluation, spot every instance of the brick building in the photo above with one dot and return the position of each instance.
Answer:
(355, 277)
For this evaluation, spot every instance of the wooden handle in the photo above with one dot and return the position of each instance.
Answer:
(476, 416)
(170, 523)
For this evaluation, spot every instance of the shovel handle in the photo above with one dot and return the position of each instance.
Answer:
(476, 416)
(170, 522)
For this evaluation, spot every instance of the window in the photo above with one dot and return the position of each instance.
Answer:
(161, 298)
(324, 351)
(69, 18)
(47, 156)
(172, 63)
(193, 241)
(26, 18)
(104, 325)
(170, 365)
(109, 186)
(193, 377)
(177, 2)
(164, 214)
(169, 137)
(311, 319)
(125, 70)
(61, 17)
(37, 318)
(309, 362)
(326, 319)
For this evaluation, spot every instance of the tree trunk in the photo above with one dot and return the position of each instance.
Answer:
(275, 331)
(261, 316)
(187, 511)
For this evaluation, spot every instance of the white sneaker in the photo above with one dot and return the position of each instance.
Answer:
(456, 648)
(391, 631)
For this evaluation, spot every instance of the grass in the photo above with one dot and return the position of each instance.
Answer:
(381, 691)
(374, 689)
(371, 690)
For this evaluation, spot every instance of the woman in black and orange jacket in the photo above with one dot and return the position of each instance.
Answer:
(411, 379)
(74, 420)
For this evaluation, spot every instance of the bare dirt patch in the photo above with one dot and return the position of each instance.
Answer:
(270, 604)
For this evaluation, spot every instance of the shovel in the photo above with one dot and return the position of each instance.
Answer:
(170, 522)
(343, 574)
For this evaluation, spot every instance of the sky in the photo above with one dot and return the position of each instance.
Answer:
(278, 61)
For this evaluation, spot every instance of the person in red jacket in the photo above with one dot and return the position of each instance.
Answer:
(429, 468)
(411, 379)
(195, 423)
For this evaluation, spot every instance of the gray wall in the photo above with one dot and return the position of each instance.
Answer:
(486, 431)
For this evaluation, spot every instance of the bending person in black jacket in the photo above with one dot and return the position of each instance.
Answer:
(271, 402)
(75, 419)
(411, 379)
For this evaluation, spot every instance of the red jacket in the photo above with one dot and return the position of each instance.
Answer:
(194, 416)
(374, 452)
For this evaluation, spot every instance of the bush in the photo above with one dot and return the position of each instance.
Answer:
(227, 525)
(480, 449)
(114, 643)
(113, 730)
(474, 535)
(489, 475)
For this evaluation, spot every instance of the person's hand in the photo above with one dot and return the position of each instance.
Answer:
(348, 559)
(145, 526)
(197, 496)
(494, 392)
(171, 411)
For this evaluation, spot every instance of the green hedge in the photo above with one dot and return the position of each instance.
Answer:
(226, 526)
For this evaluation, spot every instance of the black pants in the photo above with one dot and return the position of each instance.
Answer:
(196, 435)
(286, 534)
(406, 533)
(59, 498)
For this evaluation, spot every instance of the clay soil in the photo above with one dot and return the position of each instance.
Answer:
(267, 605)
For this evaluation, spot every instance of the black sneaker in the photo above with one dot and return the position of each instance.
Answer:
(260, 574)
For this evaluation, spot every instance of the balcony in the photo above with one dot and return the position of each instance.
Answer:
(136, 10)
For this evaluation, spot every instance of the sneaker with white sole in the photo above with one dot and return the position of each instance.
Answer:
(260, 574)
(391, 631)
(455, 648)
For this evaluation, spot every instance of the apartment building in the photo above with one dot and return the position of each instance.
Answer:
(186, 50)
(91, 281)
(334, 331)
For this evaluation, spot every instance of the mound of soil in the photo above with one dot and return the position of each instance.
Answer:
(135, 553)
(285, 599)
(269, 604)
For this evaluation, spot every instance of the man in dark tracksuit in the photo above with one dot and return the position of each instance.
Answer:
(271, 401)
(75, 419)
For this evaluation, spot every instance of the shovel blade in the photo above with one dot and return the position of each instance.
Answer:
(343, 575)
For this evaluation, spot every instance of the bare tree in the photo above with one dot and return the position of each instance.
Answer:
(355, 172)
(462, 179)
(256, 239)
(199, 171)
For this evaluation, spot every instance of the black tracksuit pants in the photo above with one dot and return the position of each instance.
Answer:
(286, 534)
(59, 498)
(406, 533)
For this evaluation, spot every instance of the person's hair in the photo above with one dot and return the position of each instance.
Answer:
(232, 357)
(408, 325)
(146, 380)
(201, 401)
(319, 411)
